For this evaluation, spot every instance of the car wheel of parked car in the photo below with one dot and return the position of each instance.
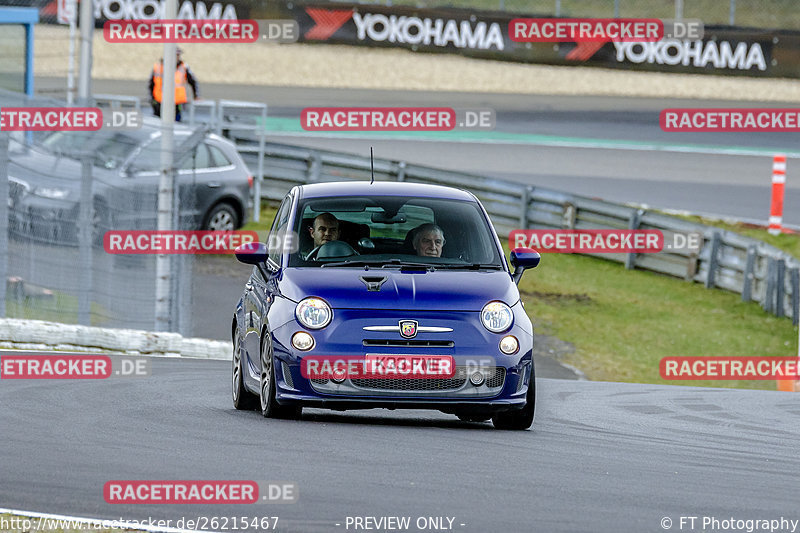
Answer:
(243, 399)
(269, 405)
(519, 418)
(221, 217)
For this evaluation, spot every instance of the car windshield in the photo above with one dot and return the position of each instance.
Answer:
(107, 150)
(394, 232)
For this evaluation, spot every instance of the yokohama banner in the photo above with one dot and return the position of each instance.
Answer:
(722, 50)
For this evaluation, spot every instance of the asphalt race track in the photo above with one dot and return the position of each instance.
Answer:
(601, 456)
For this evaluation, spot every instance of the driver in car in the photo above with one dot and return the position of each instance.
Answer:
(324, 229)
(429, 240)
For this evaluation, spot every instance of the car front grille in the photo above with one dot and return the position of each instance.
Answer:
(404, 343)
(495, 379)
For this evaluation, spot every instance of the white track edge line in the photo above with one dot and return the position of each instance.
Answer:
(118, 524)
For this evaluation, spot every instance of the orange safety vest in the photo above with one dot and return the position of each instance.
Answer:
(180, 83)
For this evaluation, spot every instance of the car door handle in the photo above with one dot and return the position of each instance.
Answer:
(213, 184)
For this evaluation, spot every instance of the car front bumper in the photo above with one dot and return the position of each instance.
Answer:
(505, 385)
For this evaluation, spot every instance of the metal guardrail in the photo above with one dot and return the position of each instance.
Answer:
(117, 102)
(726, 260)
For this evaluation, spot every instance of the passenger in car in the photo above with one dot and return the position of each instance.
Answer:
(429, 240)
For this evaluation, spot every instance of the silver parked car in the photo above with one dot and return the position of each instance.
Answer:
(212, 181)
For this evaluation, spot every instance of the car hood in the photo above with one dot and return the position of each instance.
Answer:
(47, 170)
(453, 290)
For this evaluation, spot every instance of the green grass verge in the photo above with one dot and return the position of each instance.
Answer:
(268, 211)
(788, 242)
(60, 307)
(623, 322)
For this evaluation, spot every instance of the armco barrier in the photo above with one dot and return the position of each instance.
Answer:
(726, 260)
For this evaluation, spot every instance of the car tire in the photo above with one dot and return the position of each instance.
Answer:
(270, 408)
(243, 399)
(519, 419)
(221, 217)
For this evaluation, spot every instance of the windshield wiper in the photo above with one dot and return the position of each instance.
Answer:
(381, 263)
(472, 266)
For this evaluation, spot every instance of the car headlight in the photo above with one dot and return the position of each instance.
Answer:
(496, 317)
(313, 313)
(51, 192)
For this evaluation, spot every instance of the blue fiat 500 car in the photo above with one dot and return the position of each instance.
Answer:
(392, 295)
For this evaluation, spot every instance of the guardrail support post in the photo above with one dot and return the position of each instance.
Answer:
(568, 215)
(314, 167)
(713, 260)
(749, 274)
(401, 170)
(780, 287)
(633, 224)
(257, 181)
(4, 253)
(768, 303)
(85, 242)
(794, 276)
(523, 212)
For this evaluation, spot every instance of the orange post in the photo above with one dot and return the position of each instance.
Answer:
(778, 184)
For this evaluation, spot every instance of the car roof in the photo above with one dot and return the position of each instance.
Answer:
(382, 188)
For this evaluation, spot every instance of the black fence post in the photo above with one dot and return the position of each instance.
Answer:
(780, 287)
(749, 274)
(3, 221)
(634, 221)
(713, 260)
(794, 277)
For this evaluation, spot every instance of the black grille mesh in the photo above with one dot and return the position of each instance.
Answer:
(287, 374)
(495, 379)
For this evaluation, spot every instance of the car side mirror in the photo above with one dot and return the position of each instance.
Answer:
(521, 259)
(253, 253)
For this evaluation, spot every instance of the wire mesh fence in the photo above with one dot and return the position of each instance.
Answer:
(54, 59)
(778, 14)
(65, 190)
